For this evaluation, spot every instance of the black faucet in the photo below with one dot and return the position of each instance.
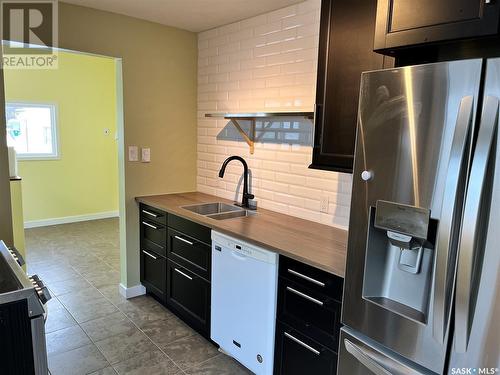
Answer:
(246, 195)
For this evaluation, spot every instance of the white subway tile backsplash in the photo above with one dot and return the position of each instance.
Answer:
(253, 43)
(253, 84)
(269, 71)
(278, 15)
(258, 62)
(266, 50)
(241, 35)
(220, 77)
(228, 29)
(218, 41)
(267, 28)
(227, 86)
(220, 59)
(299, 20)
(281, 36)
(266, 62)
(228, 48)
(240, 75)
(229, 67)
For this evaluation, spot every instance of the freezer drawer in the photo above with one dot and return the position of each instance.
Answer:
(358, 355)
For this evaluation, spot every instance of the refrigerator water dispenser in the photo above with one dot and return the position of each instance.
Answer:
(399, 259)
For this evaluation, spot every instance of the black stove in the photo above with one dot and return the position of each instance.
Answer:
(22, 317)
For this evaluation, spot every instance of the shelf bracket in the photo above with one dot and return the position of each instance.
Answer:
(248, 140)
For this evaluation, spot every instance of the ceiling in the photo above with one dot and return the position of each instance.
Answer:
(192, 15)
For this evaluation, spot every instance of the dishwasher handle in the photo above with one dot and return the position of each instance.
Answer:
(238, 256)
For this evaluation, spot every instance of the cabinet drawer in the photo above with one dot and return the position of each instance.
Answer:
(315, 314)
(190, 228)
(312, 278)
(190, 253)
(296, 354)
(153, 271)
(153, 237)
(189, 295)
(153, 214)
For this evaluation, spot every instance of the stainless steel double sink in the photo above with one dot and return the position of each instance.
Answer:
(219, 210)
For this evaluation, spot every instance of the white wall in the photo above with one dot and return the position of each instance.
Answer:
(268, 63)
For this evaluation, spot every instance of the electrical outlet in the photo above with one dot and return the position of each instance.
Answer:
(133, 153)
(146, 155)
(324, 203)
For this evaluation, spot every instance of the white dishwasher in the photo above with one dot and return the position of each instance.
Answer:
(244, 288)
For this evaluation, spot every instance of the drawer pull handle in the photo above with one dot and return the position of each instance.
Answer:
(183, 240)
(298, 274)
(183, 274)
(301, 343)
(309, 298)
(149, 254)
(150, 213)
(150, 225)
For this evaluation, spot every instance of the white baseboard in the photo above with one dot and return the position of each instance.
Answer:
(133, 291)
(69, 219)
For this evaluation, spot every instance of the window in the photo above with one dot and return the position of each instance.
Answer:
(31, 130)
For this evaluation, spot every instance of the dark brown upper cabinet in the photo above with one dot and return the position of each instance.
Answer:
(345, 50)
(409, 23)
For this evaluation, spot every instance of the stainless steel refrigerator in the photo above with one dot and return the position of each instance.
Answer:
(422, 284)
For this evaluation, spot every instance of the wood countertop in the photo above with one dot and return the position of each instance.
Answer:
(318, 245)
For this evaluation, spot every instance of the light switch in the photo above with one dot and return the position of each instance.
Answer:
(146, 155)
(133, 153)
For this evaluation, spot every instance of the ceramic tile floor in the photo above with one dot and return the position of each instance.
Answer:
(92, 329)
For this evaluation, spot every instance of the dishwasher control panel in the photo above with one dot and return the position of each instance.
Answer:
(243, 248)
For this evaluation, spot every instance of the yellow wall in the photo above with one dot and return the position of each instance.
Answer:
(84, 180)
(159, 94)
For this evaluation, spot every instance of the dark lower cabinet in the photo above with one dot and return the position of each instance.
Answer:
(189, 295)
(308, 319)
(175, 256)
(297, 354)
(153, 271)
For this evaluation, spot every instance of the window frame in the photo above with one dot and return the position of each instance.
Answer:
(55, 155)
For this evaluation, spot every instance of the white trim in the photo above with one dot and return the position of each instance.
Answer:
(133, 291)
(69, 219)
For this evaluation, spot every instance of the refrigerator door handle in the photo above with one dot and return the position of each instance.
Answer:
(365, 358)
(444, 271)
(471, 224)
